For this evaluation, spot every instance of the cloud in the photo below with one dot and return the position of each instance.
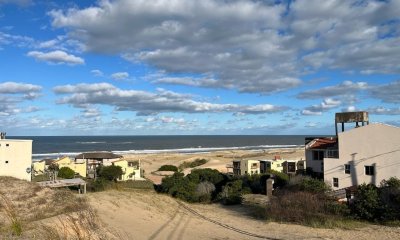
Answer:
(325, 105)
(56, 57)
(120, 75)
(12, 94)
(389, 93)
(384, 111)
(344, 88)
(146, 103)
(97, 73)
(18, 88)
(249, 46)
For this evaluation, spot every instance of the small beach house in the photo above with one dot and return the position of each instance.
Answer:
(130, 168)
(77, 166)
(15, 158)
(95, 159)
(245, 166)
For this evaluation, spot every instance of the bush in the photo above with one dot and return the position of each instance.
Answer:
(111, 173)
(389, 197)
(232, 192)
(313, 185)
(304, 208)
(66, 172)
(281, 179)
(168, 168)
(366, 202)
(204, 191)
(195, 163)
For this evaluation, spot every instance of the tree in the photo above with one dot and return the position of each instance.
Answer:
(66, 172)
(366, 202)
(111, 173)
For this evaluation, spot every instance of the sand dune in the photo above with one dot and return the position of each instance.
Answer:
(148, 215)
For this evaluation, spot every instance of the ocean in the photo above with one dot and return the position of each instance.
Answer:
(56, 146)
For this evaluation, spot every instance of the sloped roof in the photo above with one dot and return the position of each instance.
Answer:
(97, 155)
(322, 143)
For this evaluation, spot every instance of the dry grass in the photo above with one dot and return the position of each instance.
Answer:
(28, 211)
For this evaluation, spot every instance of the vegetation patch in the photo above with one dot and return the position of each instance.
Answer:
(193, 164)
(171, 168)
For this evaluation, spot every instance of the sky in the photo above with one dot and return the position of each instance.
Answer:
(172, 67)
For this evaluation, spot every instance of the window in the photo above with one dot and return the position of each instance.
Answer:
(347, 168)
(7, 145)
(6, 161)
(318, 155)
(335, 182)
(369, 170)
(322, 166)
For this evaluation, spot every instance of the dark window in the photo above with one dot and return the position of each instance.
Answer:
(7, 145)
(369, 170)
(347, 168)
(336, 182)
(322, 167)
(6, 161)
(318, 155)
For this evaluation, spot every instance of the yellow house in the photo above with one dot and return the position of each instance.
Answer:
(78, 166)
(130, 169)
(39, 167)
(276, 165)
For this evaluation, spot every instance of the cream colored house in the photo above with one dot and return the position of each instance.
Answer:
(245, 166)
(39, 167)
(79, 167)
(275, 164)
(130, 169)
(16, 158)
(366, 154)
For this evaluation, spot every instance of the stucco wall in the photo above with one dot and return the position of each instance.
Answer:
(375, 145)
(16, 158)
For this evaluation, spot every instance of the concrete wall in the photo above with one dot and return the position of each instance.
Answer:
(16, 158)
(375, 145)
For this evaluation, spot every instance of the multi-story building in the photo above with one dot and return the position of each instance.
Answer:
(365, 154)
(245, 166)
(15, 158)
(130, 168)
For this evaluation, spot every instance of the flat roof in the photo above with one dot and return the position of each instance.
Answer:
(15, 140)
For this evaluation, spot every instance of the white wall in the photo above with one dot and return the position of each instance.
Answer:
(15, 158)
(373, 145)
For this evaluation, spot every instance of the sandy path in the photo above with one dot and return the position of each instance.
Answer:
(147, 215)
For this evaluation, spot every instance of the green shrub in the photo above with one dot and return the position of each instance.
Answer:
(389, 197)
(111, 173)
(281, 179)
(168, 168)
(195, 163)
(66, 172)
(232, 192)
(366, 202)
(313, 185)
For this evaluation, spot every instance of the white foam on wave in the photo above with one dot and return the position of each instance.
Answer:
(39, 156)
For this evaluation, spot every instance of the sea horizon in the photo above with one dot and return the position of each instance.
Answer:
(57, 146)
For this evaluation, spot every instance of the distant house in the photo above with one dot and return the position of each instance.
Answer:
(275, 164)
(15, 158)
(40, 167)
(95, 159)
(245, 166)
(130, 168)
(368, 153)
(79, 167)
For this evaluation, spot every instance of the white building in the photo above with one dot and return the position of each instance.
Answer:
(15, 158)
(367, 154)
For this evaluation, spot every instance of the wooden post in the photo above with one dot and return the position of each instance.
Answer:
(269, 186)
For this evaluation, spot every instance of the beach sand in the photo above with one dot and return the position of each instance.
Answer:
(216, 159)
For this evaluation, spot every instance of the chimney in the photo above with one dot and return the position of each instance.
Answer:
(2, 135)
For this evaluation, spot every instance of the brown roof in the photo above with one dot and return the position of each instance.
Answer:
(47, 161)
(322, 143)
(97, 155)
